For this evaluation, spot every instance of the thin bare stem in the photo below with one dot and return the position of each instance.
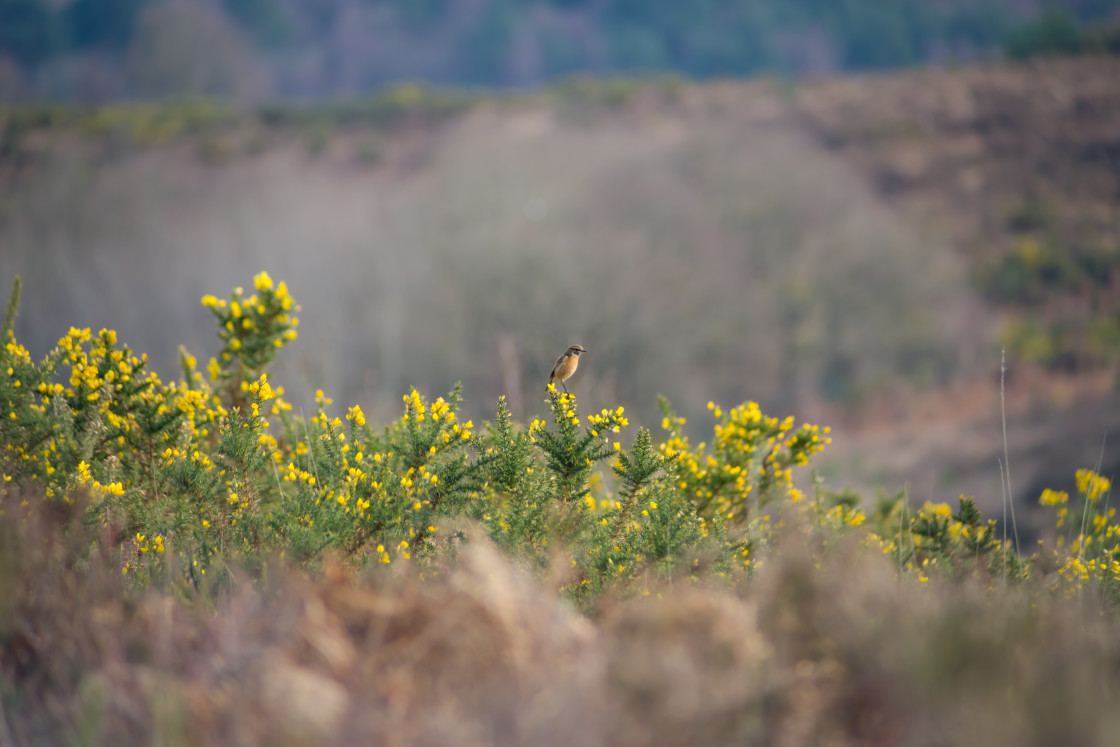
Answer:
(1008, 496)
(1003, 545)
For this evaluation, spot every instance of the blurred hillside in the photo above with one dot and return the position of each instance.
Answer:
(840, 248)
(696, 241)
(1019, 167)
(105, 49)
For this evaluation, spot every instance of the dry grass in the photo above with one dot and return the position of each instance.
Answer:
(818, 648)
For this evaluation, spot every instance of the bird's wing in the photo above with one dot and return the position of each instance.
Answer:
(555, 366)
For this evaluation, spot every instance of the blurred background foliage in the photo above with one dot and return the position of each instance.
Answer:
(828, 245)
(855, 249)
(692, 242)
(106, 48)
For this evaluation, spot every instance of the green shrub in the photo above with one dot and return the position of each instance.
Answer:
(191, 479)
(213, 471)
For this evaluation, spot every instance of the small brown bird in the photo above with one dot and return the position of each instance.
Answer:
(566, 365)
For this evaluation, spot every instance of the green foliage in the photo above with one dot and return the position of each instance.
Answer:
(508, 453)
(213, 127)
(26, 423)
(1054, 32)
(251, 329)
(571, 452)
(517, 512)
(1086, 550)
(190, 480)
(213, 472)
(193, 470)
(1033, 273)
(144, 125)
(933, 540)
(750, 463)
(650, 527)
(636, 468)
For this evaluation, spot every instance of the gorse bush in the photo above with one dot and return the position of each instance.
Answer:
(187, 481)
(1086, 550)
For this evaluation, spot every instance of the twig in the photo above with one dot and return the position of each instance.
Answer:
(1003, 544)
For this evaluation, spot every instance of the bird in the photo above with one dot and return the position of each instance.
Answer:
(566, 365)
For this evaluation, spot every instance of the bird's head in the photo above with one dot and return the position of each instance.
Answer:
(576, 350)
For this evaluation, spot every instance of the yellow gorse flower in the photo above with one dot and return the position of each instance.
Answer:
(1092, 485)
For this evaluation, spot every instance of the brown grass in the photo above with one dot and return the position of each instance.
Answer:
(816, 649)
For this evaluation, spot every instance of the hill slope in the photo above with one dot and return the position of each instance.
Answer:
(845, 242)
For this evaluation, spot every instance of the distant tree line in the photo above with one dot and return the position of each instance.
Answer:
(1056, 33)
(108, 48)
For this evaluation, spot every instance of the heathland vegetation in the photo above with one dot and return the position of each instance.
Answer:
(366, 520)
(833, 248)
(189, 560)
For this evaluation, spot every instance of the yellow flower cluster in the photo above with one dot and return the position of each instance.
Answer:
(114, 429)
(84, 478)
(1091, 485)
(567, 411)
(349, 481)
(116, 407)
(1077, 571)
(1096, 524)
(1053, 497)
(1092, 554)
(193, 454)
(356, 416)
(751, 454)
(843, 516)
(292, 473)
(957, 530)
(195, 470)
(252, 327)
(442, 427)
(612, 420)
(144, 546)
